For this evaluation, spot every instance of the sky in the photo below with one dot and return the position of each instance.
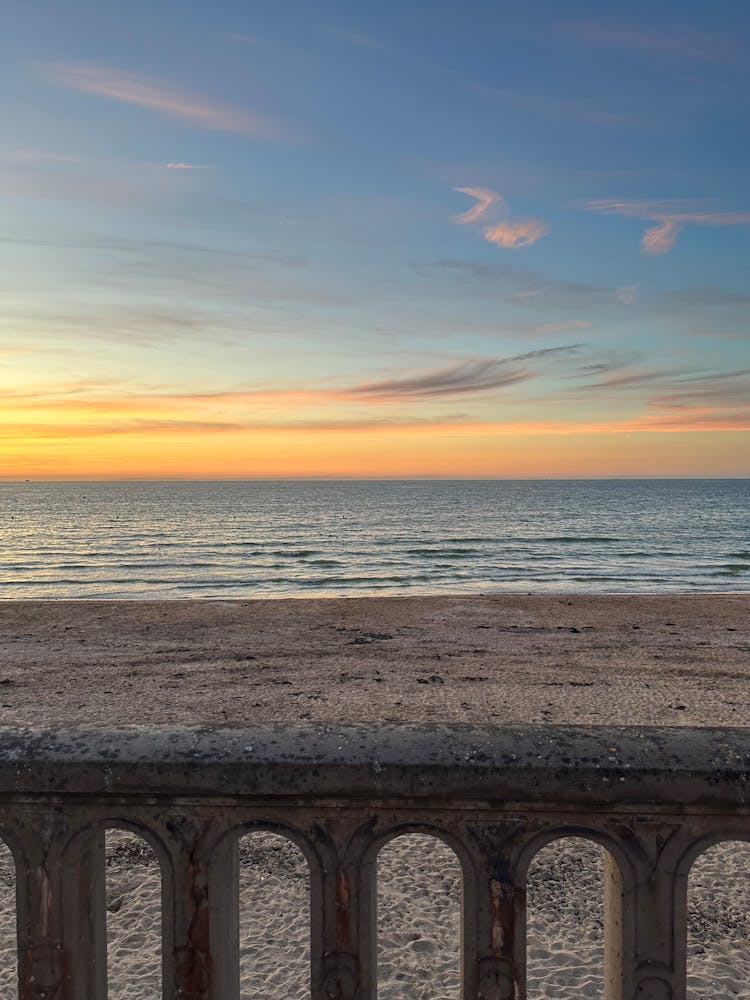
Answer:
(417, 238)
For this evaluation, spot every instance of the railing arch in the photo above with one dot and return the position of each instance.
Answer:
(419, 919)
(693, 852)
(84, 894)
(318, 853)
(727, 877)
(363, 855)
(365, 848)
(619, 884)
(537, 841)
(14, 839)
(11, 845)
(150, 953)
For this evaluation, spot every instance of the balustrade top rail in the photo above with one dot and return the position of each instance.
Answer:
(654, 798)
(691, 767)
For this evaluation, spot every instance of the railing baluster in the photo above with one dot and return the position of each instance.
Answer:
(224, 919)
(322, 925)
(494, 922)
(43, 973)
(190, 971)
(660, 911)
(349, 926)
(85, 914)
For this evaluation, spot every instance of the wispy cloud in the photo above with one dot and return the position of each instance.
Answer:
(626, 294)
(515, 234)
(116, 423)
(157, 96)
(666, 394)
(708, 295)
(590, 111)
(697, 418)
(186, 166)
(484, 201)
(468, 377)
(627, 379)
(660, 238)
(41, 156)
(464, 378)
(713, 389)
(507, 234)
(649, 399)
(538, 329)
(90, 180)
(669, 216)
(524, 287)
(352, 36)
(567, 324)
(675, 420)
(75, 428)
(675, 43)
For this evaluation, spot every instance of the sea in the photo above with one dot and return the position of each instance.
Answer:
(294, 538)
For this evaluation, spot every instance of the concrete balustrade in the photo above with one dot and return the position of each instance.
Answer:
(654, 798)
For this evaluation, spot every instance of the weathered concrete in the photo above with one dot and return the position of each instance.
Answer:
(653, 797)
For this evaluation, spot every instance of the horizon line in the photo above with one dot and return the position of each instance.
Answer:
(395, 479)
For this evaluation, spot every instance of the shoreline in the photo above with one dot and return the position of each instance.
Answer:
(356, 595)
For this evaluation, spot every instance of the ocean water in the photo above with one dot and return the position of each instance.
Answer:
(303, 538)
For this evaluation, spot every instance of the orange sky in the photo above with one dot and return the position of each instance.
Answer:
(433, 450)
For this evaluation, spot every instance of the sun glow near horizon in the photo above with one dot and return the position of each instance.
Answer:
(496, 451)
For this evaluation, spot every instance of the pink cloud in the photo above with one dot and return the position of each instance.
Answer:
(507, 234)
(185, 166)
(511, 235)
(715, 218)
(484, 201)
(143, 92)
(660, 238)
(669, 216)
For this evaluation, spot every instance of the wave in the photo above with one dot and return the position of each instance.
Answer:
(294, 553)
(610, 577)
(235, 543)
(429, 553)
(574, 539)
(470, 541)
(732, 569)
(325, 582)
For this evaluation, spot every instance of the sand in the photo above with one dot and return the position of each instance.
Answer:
(670, 660)
(649, 660)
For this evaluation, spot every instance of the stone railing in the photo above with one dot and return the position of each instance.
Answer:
(654, 798)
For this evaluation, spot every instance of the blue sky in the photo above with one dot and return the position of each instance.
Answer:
(327, 232)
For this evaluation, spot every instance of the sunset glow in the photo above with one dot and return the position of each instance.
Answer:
(364, 241)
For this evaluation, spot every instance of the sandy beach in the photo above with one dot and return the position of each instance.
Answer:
(667, 660)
